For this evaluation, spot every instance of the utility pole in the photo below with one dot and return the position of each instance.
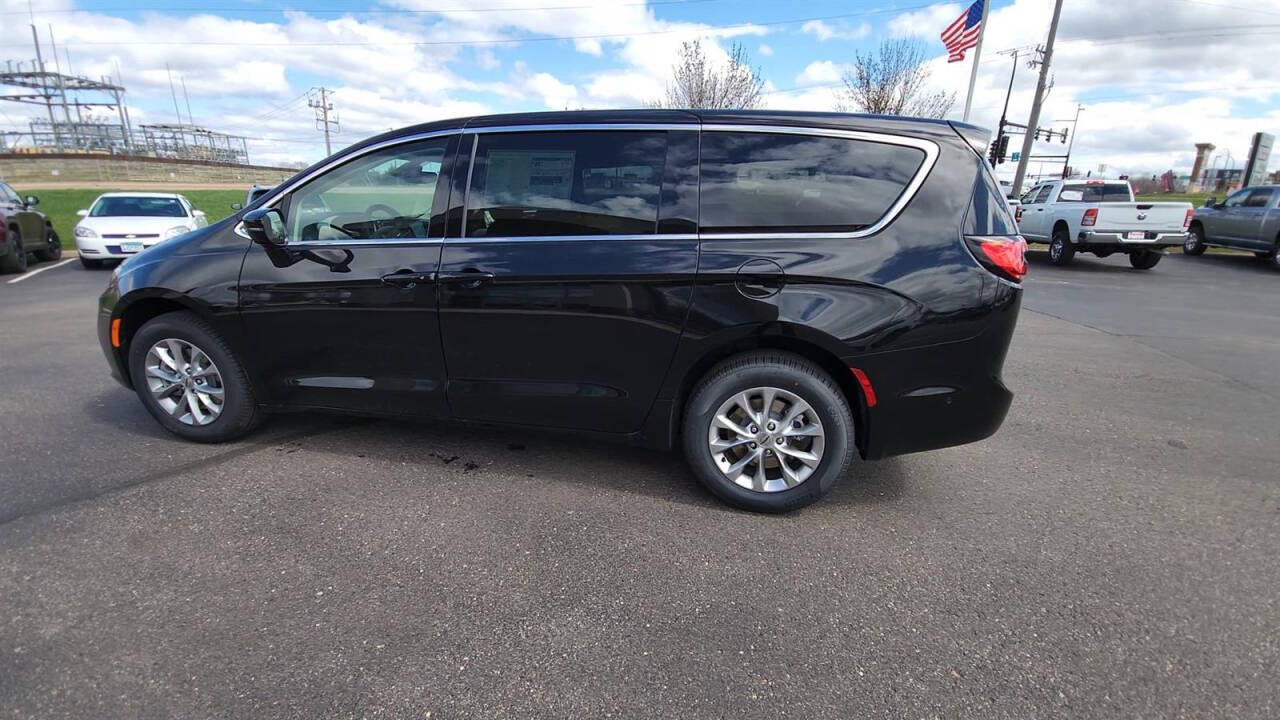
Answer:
(323, 107)
(1034, 121)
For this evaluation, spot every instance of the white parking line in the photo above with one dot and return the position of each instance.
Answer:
(33, 273)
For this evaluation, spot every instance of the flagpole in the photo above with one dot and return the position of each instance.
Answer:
(977, 56)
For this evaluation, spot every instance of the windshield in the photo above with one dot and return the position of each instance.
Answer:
(1109, 193)
(138, 207)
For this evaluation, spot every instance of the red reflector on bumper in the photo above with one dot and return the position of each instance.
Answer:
(867, 391)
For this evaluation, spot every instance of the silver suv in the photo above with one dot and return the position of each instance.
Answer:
(1248, 219)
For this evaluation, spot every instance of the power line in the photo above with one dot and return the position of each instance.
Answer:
(367, 11)
(544, 38)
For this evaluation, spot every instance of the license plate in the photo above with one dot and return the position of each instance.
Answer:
(131, 247)
(1136, 235)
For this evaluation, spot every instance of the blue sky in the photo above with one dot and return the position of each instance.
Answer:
(1155, 75)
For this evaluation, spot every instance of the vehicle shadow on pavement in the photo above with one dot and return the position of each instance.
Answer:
(1084, 264)
(441, 449)
(1239, 262)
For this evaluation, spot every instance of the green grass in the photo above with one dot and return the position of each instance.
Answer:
(1196, 199)
(61, 205)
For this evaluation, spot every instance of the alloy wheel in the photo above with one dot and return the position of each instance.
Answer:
(184, 382)
(1055, 250)
(766, 439)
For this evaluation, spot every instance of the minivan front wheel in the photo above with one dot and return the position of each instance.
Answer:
(189, 380)
(768, 431)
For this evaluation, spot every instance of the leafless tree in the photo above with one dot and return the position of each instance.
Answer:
(698, 83)
(893, 81)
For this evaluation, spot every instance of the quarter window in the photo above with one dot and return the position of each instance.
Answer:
(1258, 199)
(1043, 196)
(776, 182)
(566, 183)
(385, 195)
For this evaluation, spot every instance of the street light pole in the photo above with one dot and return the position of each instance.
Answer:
(1075, 128)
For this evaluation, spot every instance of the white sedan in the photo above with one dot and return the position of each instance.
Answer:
(119, 225)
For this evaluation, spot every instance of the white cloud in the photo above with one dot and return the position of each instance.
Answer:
(765, 50)
(823, 72)
(825, 31)
(929, 22)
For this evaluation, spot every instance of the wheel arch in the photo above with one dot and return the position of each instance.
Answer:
(138, 308)
(1061, 224)
(786, 338)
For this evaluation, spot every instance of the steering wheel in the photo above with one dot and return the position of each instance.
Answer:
(379, 207)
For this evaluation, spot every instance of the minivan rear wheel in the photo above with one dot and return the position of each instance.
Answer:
(189, 380)
(768, 431)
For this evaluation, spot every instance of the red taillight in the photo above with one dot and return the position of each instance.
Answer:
(1090, 217)
(1186, 222)
(1006, 255)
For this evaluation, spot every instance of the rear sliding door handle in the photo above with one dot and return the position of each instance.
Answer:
(468, 278)
(408, 279)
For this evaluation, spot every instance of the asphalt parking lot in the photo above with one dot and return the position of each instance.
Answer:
(1111, 552)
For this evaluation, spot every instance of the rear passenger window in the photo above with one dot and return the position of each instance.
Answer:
(1043, 196)
(799, 183)
(566, 183)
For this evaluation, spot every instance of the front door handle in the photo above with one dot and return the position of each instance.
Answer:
(469, 278)
(406, 279)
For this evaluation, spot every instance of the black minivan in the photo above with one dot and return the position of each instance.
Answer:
(771, 291)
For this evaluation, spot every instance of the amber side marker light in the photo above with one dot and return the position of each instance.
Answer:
(867, 391)
(115, 333)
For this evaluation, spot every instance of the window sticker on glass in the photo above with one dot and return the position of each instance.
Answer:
(517, 173)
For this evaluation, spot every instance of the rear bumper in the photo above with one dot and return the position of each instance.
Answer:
(942, 395)
(1119, 239)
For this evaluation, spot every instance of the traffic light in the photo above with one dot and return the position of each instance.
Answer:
(1002, 148)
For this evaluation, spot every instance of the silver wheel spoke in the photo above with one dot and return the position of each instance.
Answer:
(806, 431)
(179, 404)
(766, 407)
(156, 371)
(194, 404)
(165, 357)
(724, 422)
(805, 457)
(757, 480)
(737, 467)
(789, 476)
(722, 445)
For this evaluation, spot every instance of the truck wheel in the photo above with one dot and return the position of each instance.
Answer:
(16, 260)
(1194, 244)
(1060, 248)
(768, 431)
(1145, 259)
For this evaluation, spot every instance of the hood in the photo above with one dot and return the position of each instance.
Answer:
(135, 225)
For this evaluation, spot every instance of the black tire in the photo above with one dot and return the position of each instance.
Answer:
(52, 247)
(16, 259)
(1275, 259)
(240, 412)
(1145, 259)
(1061, 251)
(1194, 244)
(90, 264)
(793, 374)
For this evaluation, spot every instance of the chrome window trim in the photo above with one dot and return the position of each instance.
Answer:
(365, 242)
(563, 127)
(929, 148)
(570, 238)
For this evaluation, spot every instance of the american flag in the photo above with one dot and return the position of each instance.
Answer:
(963, 33)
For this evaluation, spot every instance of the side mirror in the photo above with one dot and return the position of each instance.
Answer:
(82, 213)
(265, 227)
(32, 201)
(1211, 201)
(237, 206)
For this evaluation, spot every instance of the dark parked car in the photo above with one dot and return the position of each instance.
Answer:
(1248, 219)
(773, 292)
(24, 231)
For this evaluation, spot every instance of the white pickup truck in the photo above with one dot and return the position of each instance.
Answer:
(1100, 217)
